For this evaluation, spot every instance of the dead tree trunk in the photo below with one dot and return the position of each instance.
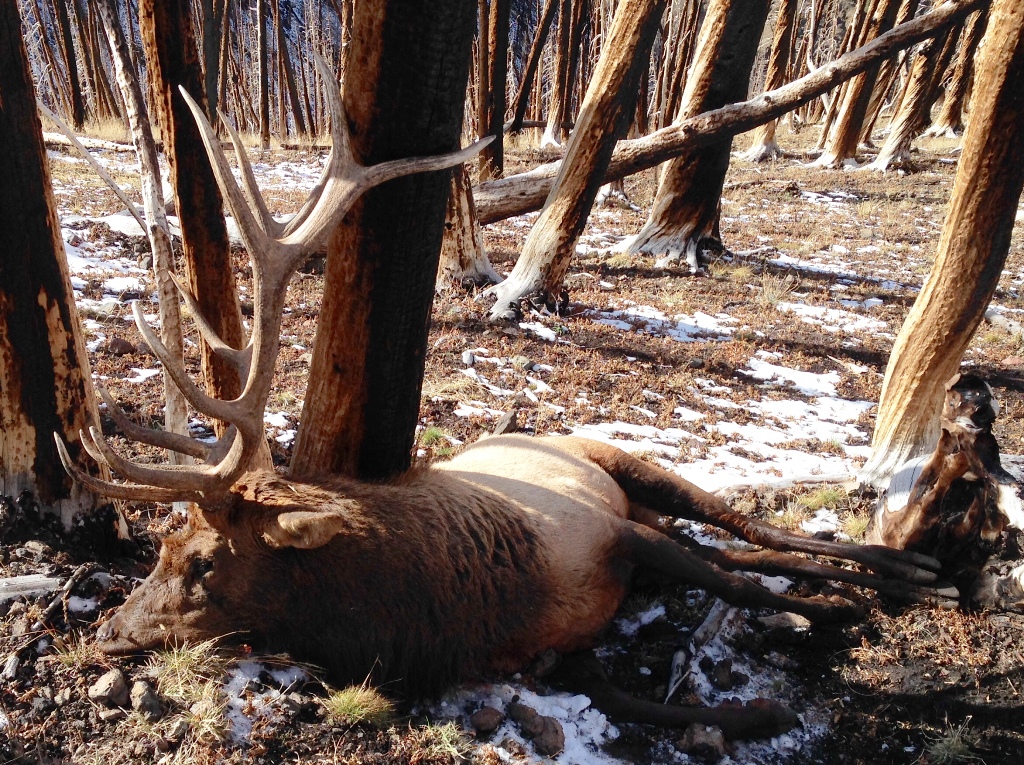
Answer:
(522, 98)
(45, 386)
(492, 158)
(463, 256)
(518, 194)
(910, 119)
(362, 401)
(173, 61)
(263, 73)
(606, 114)
(972, 249)
(685, 209)
(176, 410)
(289, 74)
(213, 31)
(844, 136)
(950, 120)
(764, 147)
(555, 132)
(887, 74)
(70, 62)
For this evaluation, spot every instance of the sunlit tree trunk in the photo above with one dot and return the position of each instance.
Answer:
(405, 95)
(264, 72)
(844, 136)
(763, 146)
(463, 256)
(685, 209)
(492, 158)
(45, 386)
(950, 120)
(605, 116)
(555, 131)
(971, 252)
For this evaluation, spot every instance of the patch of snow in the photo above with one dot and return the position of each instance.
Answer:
(141, 375)
(808, 383)
(544, 333)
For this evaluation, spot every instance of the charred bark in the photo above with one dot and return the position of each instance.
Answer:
(972, 249)
(522, 98)
(463, 255)
(404, 93)
(492, 158)
(685, 209)
(45, 386)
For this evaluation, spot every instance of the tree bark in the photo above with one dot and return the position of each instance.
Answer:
(844, 136)
(763, 146)
(176, 409)
(172, 60)
(526, 192)
(263, 73)
(71, 63)
(405, 94)
(289, 75)
(910, 118)
(463, 255)
(492, 158)
(971, 252)
(213, 30)
(522, 99)
(555, 132)
(605, 116)
(950, 120)
(887, 74)
(45, 385)
(685, 209)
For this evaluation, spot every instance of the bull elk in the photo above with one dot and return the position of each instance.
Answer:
(475, 565)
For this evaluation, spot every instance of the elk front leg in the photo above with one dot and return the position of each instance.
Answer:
(761, 718)
(644, 546)
(668, 494)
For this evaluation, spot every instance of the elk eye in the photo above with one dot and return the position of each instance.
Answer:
(201, 567)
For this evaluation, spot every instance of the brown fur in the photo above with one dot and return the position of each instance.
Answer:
(515, 546)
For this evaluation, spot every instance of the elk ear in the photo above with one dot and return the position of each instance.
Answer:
(303, 529)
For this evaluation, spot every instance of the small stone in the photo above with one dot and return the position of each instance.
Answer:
(178, 731)
(63, 697)
(695, 364)
(145, 701)
(146, 261)
(486, 720)
(702, 740)
(785, 621)
(527, 717)
(522, 363)
(111, 689)
(721, 675)
(10, 670)
(551, 740)
(468, 358)
(112, 715)
(118, 346)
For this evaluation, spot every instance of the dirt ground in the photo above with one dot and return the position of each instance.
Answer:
(907, 685)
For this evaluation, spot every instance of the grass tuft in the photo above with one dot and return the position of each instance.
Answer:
(774, 289)
(446, 741)
(359, 704)
(827, 497)
(950, 747)
(184, 673)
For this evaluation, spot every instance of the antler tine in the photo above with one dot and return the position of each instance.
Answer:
(257, 204)
(216, 408)
(239, 358)
(120, 490)
(162, 438)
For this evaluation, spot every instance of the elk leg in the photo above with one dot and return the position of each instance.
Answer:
(762, 718)
(644, 546)
(783, 564)
(668, 494)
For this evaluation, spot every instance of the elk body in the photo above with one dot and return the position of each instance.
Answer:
(516, 546)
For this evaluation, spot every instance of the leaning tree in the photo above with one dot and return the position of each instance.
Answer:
(972, 249)
(45, 387)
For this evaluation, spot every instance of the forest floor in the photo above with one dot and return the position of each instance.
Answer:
(760, 371)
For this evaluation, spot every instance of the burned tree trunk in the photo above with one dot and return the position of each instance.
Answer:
(555, 132)
(532, 65)
(763, 147)
(45, 387)
(463, 256)
(173, 60)
(950, 120)
(70, 62)
(972, 249)
(492, 158)
(685, 209)
(362, 401)
(604, 118)
(844, 135)
(263, 75)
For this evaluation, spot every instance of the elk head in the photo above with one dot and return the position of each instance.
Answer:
(204, 583)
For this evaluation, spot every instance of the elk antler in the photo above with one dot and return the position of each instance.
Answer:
(276, 251)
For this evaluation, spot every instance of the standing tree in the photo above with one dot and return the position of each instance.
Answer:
(172, 62)
(492, 158)
(950, 119)
(604, 118)
(685, 209)
(972, 249)
(404, 92)
(45, 387)
(764, 147)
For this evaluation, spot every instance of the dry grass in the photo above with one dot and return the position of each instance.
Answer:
(445, 742)
(774, 289)
(359, 704)
(824, 498)
(950, 747)
(78, 652)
